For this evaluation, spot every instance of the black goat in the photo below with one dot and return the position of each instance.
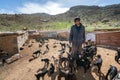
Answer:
(51, 70)
(71, 63)
(112, 72)
(47, 47)
(3, 62)
(98, 62)
(66, 74)
(41, 74)
(61, 60)
(46, 64)
(45, 52)
(82, 61)
(70, 48)
(54, 46)
(56, 61)
(40, 45)
(63, 46)
(46, 60)
(62, 52)
(30, 45)
(90, 51)
(36, 54)
(117, 56)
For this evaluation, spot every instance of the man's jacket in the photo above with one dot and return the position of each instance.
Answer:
(77, 35)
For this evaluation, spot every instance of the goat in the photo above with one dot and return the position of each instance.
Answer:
(70, 48)
(54, 46)
(36, 53)
(56, 61)
(41, 74)
(63, 46)
(1, 51)
(31, 59)
(61, 60)
(30, 45)
(66, 74)
(62, 52)
(21, 48)
(46, 64)
(90, 51)
(97, 62)
(45, 52)
(81, 60)
(3, 62)
(71, 64)
(117, 56)
(40, 45)
(46, 60)
(47, 47)
(112, 71)
(51, 70)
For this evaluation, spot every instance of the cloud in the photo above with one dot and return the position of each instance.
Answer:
(49, 7)
(71, 3)
(96, 1)
(4, 11)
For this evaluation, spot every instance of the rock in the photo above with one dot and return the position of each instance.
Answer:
(63, 35)
(13, 58)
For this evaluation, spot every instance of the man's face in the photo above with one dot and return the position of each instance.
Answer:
(77, 22)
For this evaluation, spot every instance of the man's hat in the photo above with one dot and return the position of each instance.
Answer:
(76, 19)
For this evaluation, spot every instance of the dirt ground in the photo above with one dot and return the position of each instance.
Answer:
(22, 69)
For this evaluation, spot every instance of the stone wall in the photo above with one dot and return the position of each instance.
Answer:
(9, 44)
(59, 35)
(22, 39)
(12, 42)
(108, 38)
(63, 35)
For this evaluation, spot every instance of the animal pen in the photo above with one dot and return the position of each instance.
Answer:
(108, 37)
(11, 42)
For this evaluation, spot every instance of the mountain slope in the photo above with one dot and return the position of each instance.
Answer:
(88, 14)
(93, 13)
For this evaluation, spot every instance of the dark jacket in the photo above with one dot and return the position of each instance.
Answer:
(77, 35)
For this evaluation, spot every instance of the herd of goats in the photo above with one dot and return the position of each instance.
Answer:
(67, 66)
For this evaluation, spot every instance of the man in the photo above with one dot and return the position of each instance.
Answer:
(77, 36)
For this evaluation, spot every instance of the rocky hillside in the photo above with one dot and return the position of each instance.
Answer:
(93, 13)
(89, 14)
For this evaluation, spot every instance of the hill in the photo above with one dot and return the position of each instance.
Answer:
(89, 15)
(93, 13)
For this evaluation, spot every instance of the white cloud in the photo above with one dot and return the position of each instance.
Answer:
(71, 3)
(4, 11)
(96, 1)
(49, 7)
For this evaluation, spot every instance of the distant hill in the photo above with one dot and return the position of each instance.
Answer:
(92, 13)
(89, 14)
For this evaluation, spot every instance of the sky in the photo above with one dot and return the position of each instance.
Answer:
(52, 7)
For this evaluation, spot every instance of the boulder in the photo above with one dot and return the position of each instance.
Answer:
(63, 36)
(13, 58)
